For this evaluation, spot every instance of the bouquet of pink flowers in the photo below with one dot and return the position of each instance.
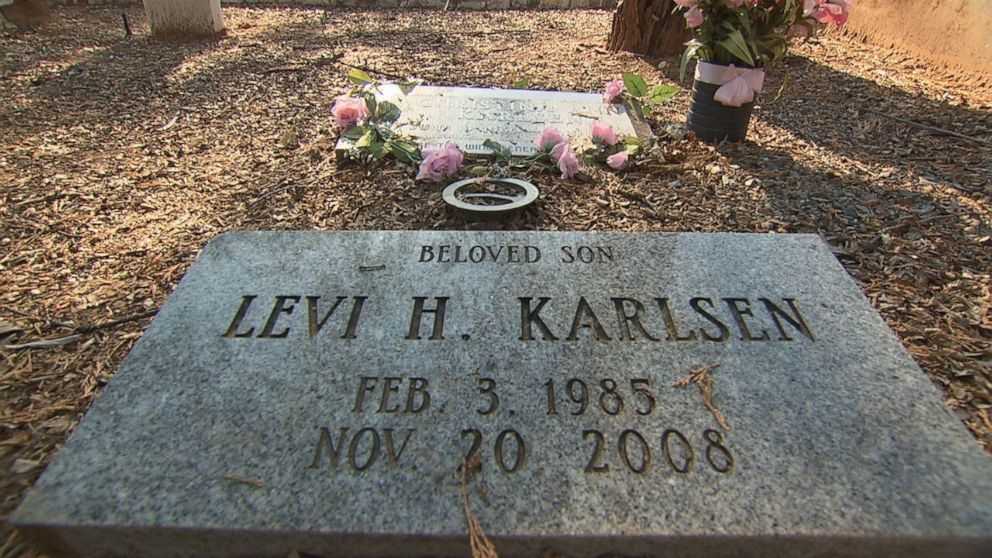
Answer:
(754, 33)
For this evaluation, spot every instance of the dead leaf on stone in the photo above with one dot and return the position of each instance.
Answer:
(257, 483)
(481, 546)
(701, 377)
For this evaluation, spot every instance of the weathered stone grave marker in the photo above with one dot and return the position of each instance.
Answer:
(468, 116)
(184, 17)
(317, 392)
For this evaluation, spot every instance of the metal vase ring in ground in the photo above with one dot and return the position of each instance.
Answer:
(712, 121)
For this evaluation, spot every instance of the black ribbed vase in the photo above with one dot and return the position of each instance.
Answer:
(713, 122)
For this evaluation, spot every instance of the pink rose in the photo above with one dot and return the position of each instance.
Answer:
(734, 3)
(687, 3)
(613, 91)
(694, 17)
(558, 150)
(829, 11)
(833, 11)
(349, 111)
(549, 138)
(568, 163)
(440, 163)
(617, 161)
(604, 132)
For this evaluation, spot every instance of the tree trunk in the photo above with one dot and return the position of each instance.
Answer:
(648, 27)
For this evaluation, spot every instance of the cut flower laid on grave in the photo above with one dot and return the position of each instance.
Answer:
(618, 161)
(348, 112)
(613, 92)
(369, 123)
(637, 88)
(609, 148)
(603, 134)
(563, 155)
(557, 148)
(439, 164)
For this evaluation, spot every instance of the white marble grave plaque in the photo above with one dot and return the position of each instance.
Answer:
(467, 116)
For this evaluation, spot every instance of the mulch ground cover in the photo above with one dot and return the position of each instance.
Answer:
(121, 157)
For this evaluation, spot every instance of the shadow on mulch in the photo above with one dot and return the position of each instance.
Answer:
(888, 237)
(871, 137)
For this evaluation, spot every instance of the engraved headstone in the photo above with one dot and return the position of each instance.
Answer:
(434, 116)
(317, 391)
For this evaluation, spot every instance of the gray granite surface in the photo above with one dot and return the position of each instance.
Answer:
(243, 426)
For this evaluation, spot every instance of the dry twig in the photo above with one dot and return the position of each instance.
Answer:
(44, 343)
(112, 323)
(482, 547)
(257, 483)
(930, 128)
(701, 377)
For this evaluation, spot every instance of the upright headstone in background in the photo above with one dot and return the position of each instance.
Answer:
(184, 17)
(23, 13)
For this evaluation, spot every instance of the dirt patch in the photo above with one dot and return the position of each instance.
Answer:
(953, 32)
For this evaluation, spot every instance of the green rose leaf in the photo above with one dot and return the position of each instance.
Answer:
(366, 140)
(389, 112)
(477, 170)
(635, 84)
(501, 151)
(378, 150)
(355, 133)
(359, 77)
(407, 86)
(662, 92)
(736, 45)
(744, 21)
(404, 151)
(370, 102)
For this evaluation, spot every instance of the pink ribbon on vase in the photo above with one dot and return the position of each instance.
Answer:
(737, 85)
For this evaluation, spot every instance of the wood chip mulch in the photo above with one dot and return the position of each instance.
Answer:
(121, 157)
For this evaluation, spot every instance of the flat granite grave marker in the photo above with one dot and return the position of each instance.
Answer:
(434, 116)
(317, 391)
